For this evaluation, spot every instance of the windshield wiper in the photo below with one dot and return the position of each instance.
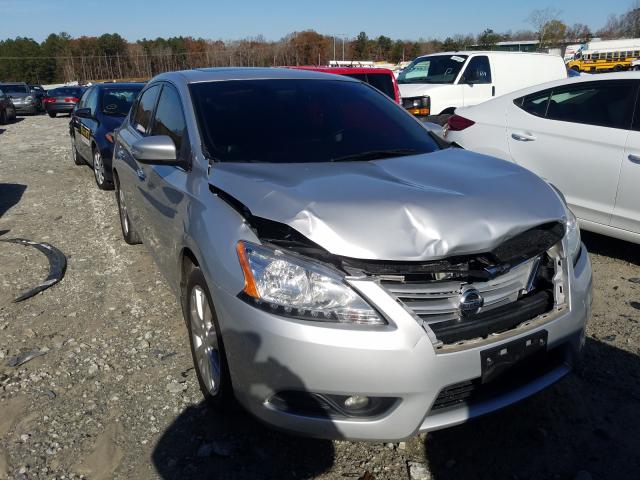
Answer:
(374, 155)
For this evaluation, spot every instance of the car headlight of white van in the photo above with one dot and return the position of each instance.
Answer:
(293, 287)
(417, 105)
(574, 242)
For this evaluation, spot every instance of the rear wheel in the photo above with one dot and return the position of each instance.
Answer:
(207, 349)
(3, 117)
(128, 232)
(52, 114)
(99, 171)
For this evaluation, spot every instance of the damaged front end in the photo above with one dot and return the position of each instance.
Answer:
(460, 301)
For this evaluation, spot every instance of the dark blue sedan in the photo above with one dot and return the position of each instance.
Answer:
(101, 110)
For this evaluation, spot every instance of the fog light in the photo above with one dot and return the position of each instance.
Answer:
(356, 402)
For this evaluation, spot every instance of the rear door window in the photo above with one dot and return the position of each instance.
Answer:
(382, 82)
(144, 109)
(603, 103)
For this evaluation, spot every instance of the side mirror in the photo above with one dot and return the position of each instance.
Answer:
(84, 113)
(157, 149)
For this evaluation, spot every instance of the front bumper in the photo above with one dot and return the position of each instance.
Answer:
(269, 354)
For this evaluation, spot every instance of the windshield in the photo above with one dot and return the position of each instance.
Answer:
(8, 89)
(117, 103)
(60, 92)
(433, 69)
(296, 121)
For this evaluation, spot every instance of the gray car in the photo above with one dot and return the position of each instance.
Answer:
(24, 100)
(342, 274)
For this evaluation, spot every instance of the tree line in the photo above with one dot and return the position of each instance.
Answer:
(61, 58)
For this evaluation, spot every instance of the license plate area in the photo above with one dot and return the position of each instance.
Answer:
(497, 360)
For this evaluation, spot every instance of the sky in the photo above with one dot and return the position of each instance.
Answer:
(235, 19)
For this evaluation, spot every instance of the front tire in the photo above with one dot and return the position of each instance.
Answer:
(205, 340)
(52, 114)
(128, 232)
(3, 117)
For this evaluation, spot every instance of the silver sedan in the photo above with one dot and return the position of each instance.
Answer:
(342, 273)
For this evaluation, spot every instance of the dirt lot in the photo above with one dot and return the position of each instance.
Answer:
(114, 394)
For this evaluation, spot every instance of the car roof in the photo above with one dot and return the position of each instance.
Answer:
(66, 86)
(244, 73)
(484, 52)
(345, 70)
(118, 85)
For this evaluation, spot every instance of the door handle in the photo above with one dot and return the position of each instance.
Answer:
(523, 137)
(141, 174)
(634, 158)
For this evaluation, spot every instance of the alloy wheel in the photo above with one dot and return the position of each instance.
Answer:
(123, 212)
(204, 339)
(98, 167)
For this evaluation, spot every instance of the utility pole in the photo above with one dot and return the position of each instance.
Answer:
(342, 36)
(334, 48)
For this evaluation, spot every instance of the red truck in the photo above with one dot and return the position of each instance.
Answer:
(380, 78)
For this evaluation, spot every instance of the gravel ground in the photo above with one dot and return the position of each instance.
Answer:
(113, 393)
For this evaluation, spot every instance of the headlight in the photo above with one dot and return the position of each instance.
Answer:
(417, 105)
(574, 243)
(293, 287)
(28, 99)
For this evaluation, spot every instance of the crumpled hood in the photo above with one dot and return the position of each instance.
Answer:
(420, 207)
(410, 90)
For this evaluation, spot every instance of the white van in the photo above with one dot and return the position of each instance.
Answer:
(438, 84)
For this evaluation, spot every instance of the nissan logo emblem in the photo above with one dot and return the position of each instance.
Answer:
(470, 302)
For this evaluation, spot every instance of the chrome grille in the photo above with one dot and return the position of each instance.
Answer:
(437, 302)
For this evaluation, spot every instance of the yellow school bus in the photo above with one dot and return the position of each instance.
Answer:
(598, 60)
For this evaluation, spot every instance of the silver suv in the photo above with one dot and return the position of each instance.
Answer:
(342, 274)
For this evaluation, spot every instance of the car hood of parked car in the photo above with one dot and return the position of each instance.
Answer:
(412, 208)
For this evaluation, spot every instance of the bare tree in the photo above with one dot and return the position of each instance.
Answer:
(540, 20)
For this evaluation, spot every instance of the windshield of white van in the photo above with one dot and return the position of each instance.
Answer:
(433, 69)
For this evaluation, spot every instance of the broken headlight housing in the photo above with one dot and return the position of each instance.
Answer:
(294, 287)
(574, 242)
